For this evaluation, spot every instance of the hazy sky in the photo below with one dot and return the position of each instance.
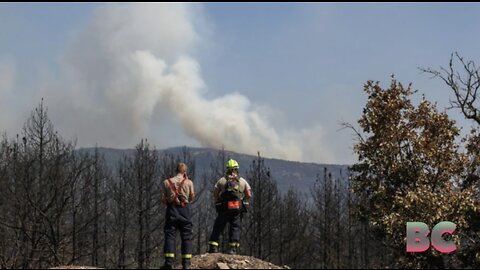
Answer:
(274, 77)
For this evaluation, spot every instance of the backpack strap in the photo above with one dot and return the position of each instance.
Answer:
(177, 191)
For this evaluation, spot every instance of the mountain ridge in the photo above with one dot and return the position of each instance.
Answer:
(288, 174)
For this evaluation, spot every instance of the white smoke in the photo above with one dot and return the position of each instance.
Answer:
(133, 64)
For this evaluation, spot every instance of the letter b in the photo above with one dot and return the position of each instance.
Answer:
(417, 237)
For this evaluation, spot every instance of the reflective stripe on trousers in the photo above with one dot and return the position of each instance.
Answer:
(224, 217)
(178, 218)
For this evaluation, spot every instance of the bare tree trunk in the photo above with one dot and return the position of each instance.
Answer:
(95, 209)
(325, 217)
(339, 225)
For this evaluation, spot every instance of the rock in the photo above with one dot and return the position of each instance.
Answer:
(74, 267)
(222, 266)
(226, 261)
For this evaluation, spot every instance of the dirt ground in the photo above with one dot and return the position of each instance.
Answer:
(213, 261)
(75, 267)
(224, 261)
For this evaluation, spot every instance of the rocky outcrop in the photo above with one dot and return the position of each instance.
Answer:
(225, 261)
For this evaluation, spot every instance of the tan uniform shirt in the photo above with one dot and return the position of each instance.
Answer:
(186, 194)
(244, 187)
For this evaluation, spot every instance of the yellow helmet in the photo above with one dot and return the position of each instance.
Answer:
(232, 164)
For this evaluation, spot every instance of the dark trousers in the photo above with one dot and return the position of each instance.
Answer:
(224, 217)
(178, 218)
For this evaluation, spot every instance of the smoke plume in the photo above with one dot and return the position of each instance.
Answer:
(130, 74)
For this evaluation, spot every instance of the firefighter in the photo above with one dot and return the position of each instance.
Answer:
(231, 195)
(178, 193)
